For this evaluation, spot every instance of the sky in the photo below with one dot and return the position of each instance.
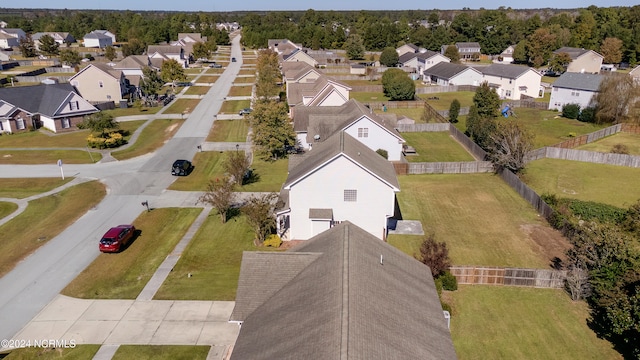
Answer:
(277, 5)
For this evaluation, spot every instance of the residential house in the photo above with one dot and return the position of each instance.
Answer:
(582, 61)
(341, 295)
(635, 74)
(299, 72)
(467, 50)
(340, 179)
(228, 26)
(97, 40)
(57, 107)
(282, 46)
(132, 67)
(299, 55)
(187, 40)
(447, 74)
(506, 57)
(407, 49)
(4, 56)
(101, 83)
(11, 37)
(574, 88)
(316, 124)
(419, 62)
(513, 82)
(61, 38)
(324, 91)
(107, 33)
(166, 52)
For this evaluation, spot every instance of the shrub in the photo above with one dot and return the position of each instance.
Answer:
(446, 307)
(587, 114)
(438, 286)
(273, 240)
(571, 111)
(435, 255)
(620, 149)
(112, 140)
(449, 281)
(384, 153)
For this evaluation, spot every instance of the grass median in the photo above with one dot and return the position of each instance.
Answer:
(183, 106)
(152, 137)
(123, 275)
(20, 188)
(44, 219)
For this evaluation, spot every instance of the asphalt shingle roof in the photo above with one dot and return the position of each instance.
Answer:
(445, 70)
(578, 81)
(43, 99)
(504, 70)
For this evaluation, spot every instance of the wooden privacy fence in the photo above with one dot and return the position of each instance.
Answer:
(527, 193)
(460, 167)
(432, 89)
(588, 138)
(416, 104)
(479, 275)
(429, 127)
(593, 157)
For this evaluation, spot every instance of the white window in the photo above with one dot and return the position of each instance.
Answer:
(363, 132)
(350, 195)
(66, 123)
(73, 105)
(20, 123)
(507, 93)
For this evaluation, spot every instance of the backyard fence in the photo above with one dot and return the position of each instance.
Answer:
(429, 127)
(539, 278)
(367, 88)
(591, 137)
(460, 167)
(593, 157)
(468, 144)
(417, 104)
(526, 192)
(432, 89)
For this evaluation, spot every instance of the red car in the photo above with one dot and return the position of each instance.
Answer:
(117, 238)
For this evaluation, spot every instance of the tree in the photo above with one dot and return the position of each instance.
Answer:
(220, 195)
(272, 130)
(171, 71)
(201, 51)
(389, 57)
(520, 53)
(616, 95)
(454, 111)
(48, 45)
(486, 100)
(99, 122)
(354, 47)
(435, 255)
(110, 53)
(480, 127)
(237, 164)
(268, 69)
(577, 283)
(151, 82)
(559, 62)
(611, 49)
(452, 53)
(133, 47)
(397, 85)
(510, 144)
(259, 210)
(70, 57)
(27, 47)
(540, 45)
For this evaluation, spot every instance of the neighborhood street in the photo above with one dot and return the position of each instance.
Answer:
(36, 281)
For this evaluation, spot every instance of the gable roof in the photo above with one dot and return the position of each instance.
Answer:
(336, 300)
(133, 62)
(42, 99)
(574, 53)
(96, 35)
(445, 70)
(420, 55)
(505, 70)
(579, 81)
(164, 50)
(296, 92)
(471, 45)
(192, 37)
(294, 70)
(342, 144)
(116, 74)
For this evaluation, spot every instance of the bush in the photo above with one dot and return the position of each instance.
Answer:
(620, 149)
(273, 240)
(397, 85)
(113, 140)
(438, 286)
(571, 111)
(587, 114)
(449, 281)
(446, 307)
(384, 153)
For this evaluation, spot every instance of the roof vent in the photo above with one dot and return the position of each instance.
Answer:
(381, 259)
(316, 137)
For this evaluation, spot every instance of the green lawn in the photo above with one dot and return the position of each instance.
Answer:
(152, 137)
(234, 106)
(435, 147)
(614, 185)
(21, 188)
(244, 80)
(247, 72)
(44, 219)
(479, 216)
(80, 352)
(503, 322)
(414, 113)
(197, 90)
(208, 165)
(161, 352)
(214, 71)
(365, 97)
(271, 175)
(363, 82)
(444, 99)
(631, 141)
(123, 275)
(240, 91)
(134, 110)
(208, 78)
(182, 106)
(213, 259)
(48, 156)
(7, 208)
(229, 131)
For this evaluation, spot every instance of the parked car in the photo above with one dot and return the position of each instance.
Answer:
(245, 111)
(233, 59)
(181, 168)
(184, 83)
(117, 238)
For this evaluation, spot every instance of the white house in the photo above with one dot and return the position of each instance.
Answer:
(107, 33)
(324, 91)
(299, 72)
(513, 81)
(164, 52)
(574, 88)
(582, 60)
(99, 83)
(11, 37)
(446, 74)
(97, 40)
(419, 62)
(299, 55)
(316, 124)
(340, 179)
(506, 57)
(60, 38)
(407, 49)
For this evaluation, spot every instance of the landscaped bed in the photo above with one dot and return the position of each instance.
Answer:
(435, 147)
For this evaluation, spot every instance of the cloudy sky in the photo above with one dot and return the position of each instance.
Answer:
(218, 5)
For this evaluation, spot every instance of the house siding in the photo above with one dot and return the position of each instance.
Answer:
(325, 189)
(589, 63)
(563, 96)
(88, 84)
(510, 88)
(377, 138)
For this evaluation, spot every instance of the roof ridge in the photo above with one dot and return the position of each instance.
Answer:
(344, 316)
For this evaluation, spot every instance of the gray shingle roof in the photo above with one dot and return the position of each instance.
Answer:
(578, 81)
(342, 304)
(574, 53)
(42, 99)
(505, 70)
(445, 70)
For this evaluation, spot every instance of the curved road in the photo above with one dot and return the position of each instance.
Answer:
(35, 281)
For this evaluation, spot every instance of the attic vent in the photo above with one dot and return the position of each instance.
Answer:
(316, 137)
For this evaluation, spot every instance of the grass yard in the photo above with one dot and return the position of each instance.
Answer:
(134, 110)
(444, 99)
(7, 208)
(152, 137)
(208, 79)
(234, 106)
(247, 72)
(44, 138)
(162, 352)
(20, 188)
(614, 185)
(80, 352)
(213, 259)
(123, 275)
(208, 165)
(229, 131)
(244, 80)
(365, 97)
(480, 217)
(435, 147)
(240, 91)
(44, 219)
(192, 70)
(631, 141)
(214, 71)
(197, 90)
(48, 156)
(270, 175)
(181, 106)
(503, 322)
(362, 82)
(414, 113)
